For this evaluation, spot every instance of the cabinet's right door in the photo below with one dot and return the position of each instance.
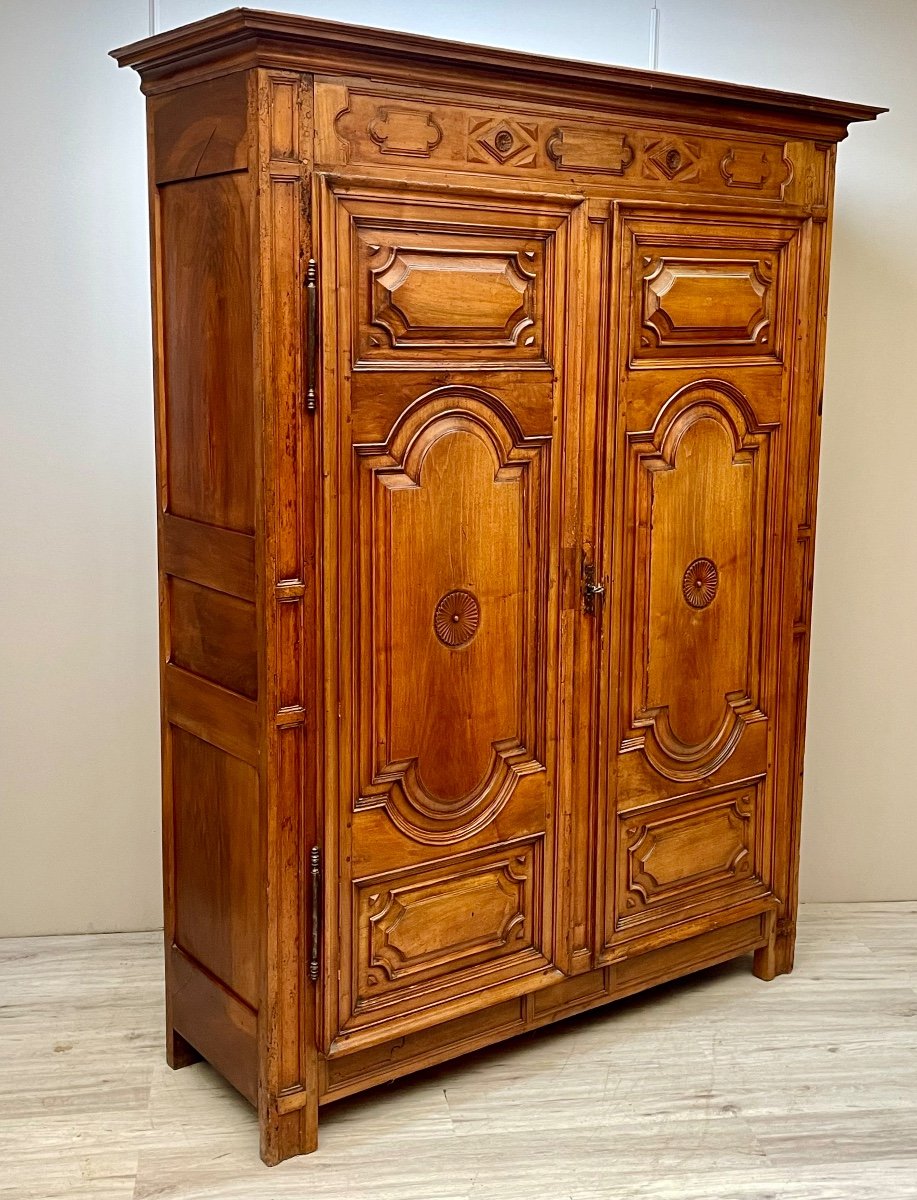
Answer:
(696, 536)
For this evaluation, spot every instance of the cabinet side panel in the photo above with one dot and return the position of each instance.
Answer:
(214, 635)
(215, 824)
(208, 351)
(200, 130)
(206, 469)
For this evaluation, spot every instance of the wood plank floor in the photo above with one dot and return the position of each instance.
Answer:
(717, 1087)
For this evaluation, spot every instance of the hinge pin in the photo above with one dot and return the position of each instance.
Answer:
(315, 871)
(312, 334)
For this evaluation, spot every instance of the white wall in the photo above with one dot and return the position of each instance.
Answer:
(78, 675)
(79, 837)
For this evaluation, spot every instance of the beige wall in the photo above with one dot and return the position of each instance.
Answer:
(79, 826)
(860, 811)
(79, 836)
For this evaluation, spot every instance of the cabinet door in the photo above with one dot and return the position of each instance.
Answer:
(696, 537)
(443, 395)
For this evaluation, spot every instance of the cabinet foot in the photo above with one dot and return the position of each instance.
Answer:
(776, 958)
(286, 1134)
(179, 1053)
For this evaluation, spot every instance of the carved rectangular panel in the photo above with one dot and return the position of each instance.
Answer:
(689, 853)
(453, 297)
(708, 292)
(421, 926)
(592, 149)
(454, 291)
(693, 302)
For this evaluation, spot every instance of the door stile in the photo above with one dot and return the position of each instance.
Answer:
(332, 366)
(587, 483)
(575, 665)
(616, 542)
(804, 433)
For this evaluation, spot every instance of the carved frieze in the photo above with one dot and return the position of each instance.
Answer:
(370, 125)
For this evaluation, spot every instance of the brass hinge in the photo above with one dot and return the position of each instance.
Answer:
(315, 872)
(311, 335)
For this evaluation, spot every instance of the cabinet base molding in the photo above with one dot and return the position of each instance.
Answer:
(207, 1020)
(346, 1074)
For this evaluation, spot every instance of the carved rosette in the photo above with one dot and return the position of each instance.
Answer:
(456, 618)
(671, 158)
(503, 140)
(700, 581)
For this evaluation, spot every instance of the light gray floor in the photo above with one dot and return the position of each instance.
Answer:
(716, 1087)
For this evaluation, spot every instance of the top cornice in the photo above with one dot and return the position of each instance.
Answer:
(244, 37)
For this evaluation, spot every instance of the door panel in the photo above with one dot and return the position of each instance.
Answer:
(714, 292)
(696, 580)
(444, 391)
(471, 295)
(455, 557)
(695, 546)
(417, 925)
(481, 303)
(689, 855)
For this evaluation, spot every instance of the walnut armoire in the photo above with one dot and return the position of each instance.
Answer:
(488, 391)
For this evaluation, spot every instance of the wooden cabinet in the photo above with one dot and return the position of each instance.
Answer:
(488, 394)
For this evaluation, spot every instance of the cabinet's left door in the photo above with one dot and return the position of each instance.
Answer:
(442, 402)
